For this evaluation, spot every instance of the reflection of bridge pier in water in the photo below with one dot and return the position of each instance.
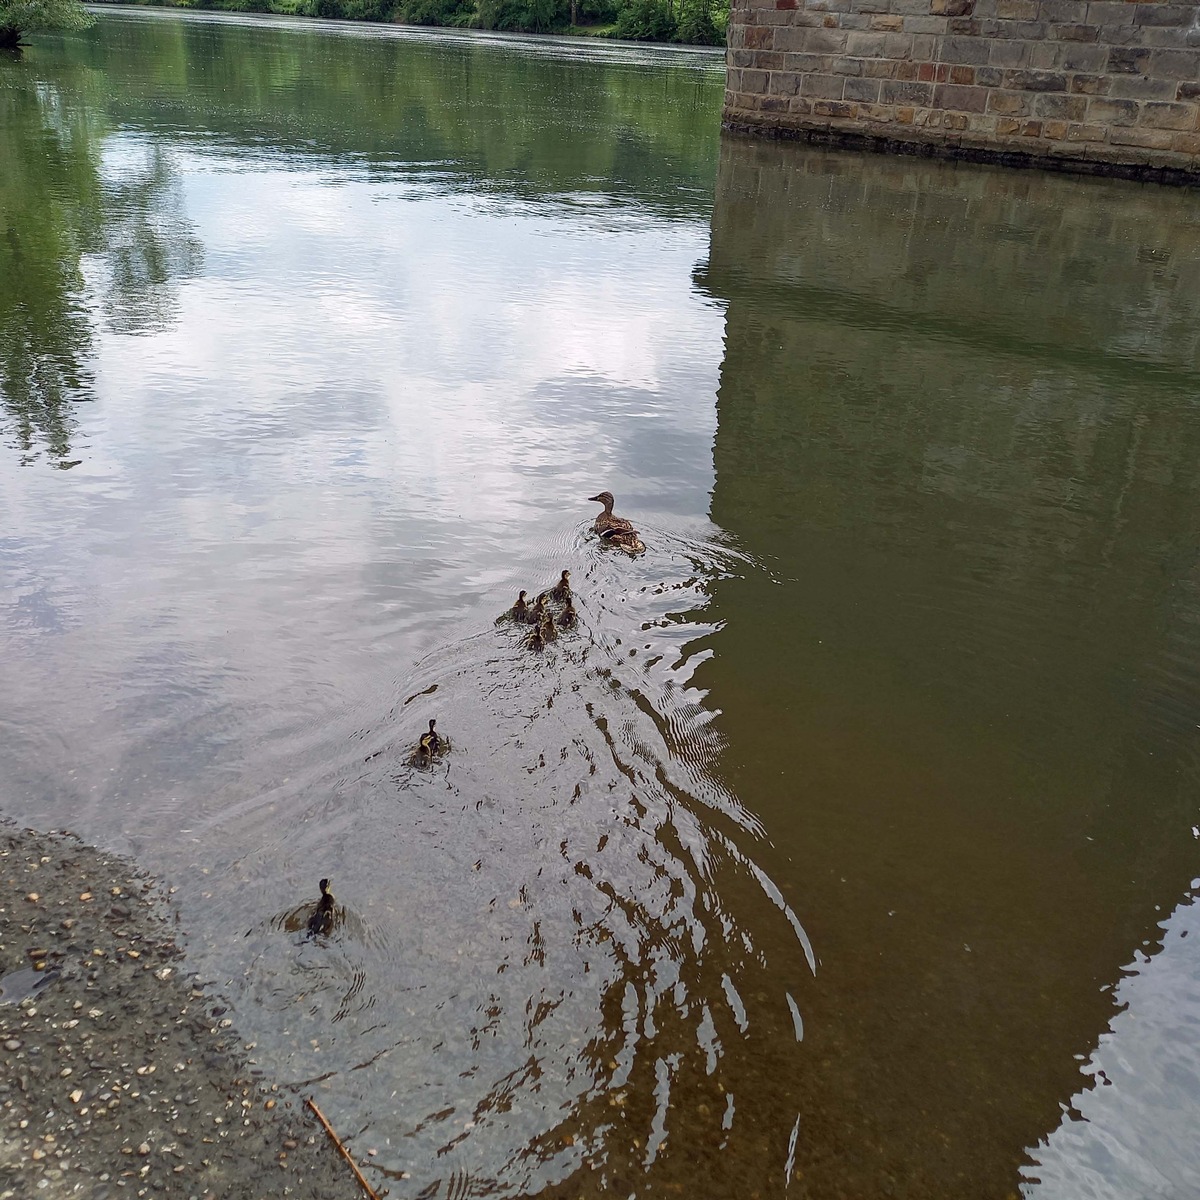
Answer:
(955, 425)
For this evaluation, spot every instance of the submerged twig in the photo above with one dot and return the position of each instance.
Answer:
(366, 1187)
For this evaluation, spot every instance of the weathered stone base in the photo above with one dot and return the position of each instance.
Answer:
(1107, 161)
(1098, 86)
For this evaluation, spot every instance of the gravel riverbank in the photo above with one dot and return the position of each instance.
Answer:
(118, 1076)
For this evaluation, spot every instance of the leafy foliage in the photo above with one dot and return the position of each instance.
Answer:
(699, 22)
(19, 17)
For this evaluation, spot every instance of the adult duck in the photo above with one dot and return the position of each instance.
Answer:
(606, 522)
(616, 531)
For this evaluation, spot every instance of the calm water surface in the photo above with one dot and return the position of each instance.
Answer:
(850, 847)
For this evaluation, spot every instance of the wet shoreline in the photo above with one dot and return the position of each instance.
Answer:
(119, 1074)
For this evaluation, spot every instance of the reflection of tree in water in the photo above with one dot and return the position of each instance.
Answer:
(149, 244)
(49, 215)
(56, 212)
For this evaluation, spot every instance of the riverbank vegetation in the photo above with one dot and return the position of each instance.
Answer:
(19, 17)
(695, 22)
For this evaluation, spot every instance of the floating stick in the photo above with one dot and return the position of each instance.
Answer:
(366, 1187)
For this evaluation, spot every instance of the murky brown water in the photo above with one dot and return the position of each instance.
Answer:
(821, 858)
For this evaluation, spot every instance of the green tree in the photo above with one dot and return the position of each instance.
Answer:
(19, 17)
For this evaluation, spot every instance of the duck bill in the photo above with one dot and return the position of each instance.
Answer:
(596, 499)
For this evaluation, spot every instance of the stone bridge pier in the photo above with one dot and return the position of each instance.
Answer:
(1095, 86)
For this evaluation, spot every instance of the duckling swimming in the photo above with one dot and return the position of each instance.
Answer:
(429, 746)
(519, 611)
(321, 921)
(623, 539)
(616, 531)
(535, 640)
(534, 615)
(566, 618)
(546, 628)
(560, 593)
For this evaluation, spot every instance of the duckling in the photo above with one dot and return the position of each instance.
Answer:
(321, 921)
(534, 615)
(560, 593)
(518, 612)
(430, 743)
(606, 520)
(546, 628)
(535, 640)
(623, 539)
(566, 619)
(428, 747)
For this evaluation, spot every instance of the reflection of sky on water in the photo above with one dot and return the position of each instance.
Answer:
(1133, 1133)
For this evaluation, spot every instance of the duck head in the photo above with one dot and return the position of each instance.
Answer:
(605, 498)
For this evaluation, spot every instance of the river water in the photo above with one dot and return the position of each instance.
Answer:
(849, 846)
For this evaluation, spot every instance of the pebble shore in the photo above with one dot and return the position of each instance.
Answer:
(118, 1075)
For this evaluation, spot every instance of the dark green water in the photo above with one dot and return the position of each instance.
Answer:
(850, 846)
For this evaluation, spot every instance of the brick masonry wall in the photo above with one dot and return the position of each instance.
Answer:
(1104, 86)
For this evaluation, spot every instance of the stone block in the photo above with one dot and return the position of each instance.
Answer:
(1085, 133)
(1062, 108)
(1091, 85)
(824, 87)
(1188, 91)
(1141, 87)
(961, 99)
(1112, 112)
(1175, 64)
(804, 64)
(1009, 54)
(927, 72)
(1148, 139)
(1063, 11)
(1122, 35)
(965, 75)
(1008, 125)
(1110, 12)
(896, 91)
(783, 83)
(1179, 16)
(879, 68)
(1045, 56)
(826, 41)
(924, 46)
(1083, 58)
(1036, 81)
(1056, 131)
(897, 45)
(756, 37)
(1010, 103)
(845, 66)
(1186, 143)
(964, 27)
(866, 45)
(1017, 10)
(864, 91)
(1128, 60)
(1075, 33)
(906, 69)
(951, 8)
(1159, 115)
(991, 77)
(838, 109)
(887, 22)
(932, 26)
(966, 51)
